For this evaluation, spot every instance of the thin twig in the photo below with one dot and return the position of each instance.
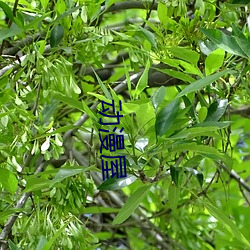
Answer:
(235, 176)
(9, 24)
(37, 97)
(148, 14)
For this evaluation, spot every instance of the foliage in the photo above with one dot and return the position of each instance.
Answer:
(180, 69)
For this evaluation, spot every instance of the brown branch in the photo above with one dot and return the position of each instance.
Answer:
(236, 177)
(148, 14)
(16, 64)
(21, 44)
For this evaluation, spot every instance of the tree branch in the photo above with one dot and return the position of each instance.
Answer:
(21, 44)
(129, 5)
(20, 203)
(236, 177)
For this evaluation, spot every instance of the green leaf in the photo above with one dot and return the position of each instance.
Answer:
(147, 35)
(143, 81)
(9, 32)
(198, 175)
(162, 12)
(9, 211)
(188, 105)
(174, 172)
(244, 45)
(227, 223)
(189, 68)
(202, 114)
(193, 132)
(197, 85)
(238, 33)
(194, 161)
(49, 244)
(186, 54)
(214, 61)
(8, 180)
(132, 203)
(70, 101)
(56, 35)
(204, 150)
(104, 89)
(34, 183)
(216, 110)
(158, 97)
(177, 74)
(68, 12)
(99, 210)
(166, 117)
(66, 172)
(13, 246)
(223, 41)
(49, 110)
(219, 125)
(7, 10)
(114, 183)
(41, 243)
(173, 196)
(207, 46)
(44, 3)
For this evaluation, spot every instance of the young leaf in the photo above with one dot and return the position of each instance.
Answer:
(132, 203)
(166, 117)
(49, 244)
(186, 54)
(114, 183)
(173, 196)
(44, 3)
(214, 61)
(162, 12)
(143, 81)
(56, 35)
(104, 89)
(202, 114)
(70, 101)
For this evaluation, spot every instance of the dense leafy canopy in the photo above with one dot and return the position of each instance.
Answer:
(181, 70)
